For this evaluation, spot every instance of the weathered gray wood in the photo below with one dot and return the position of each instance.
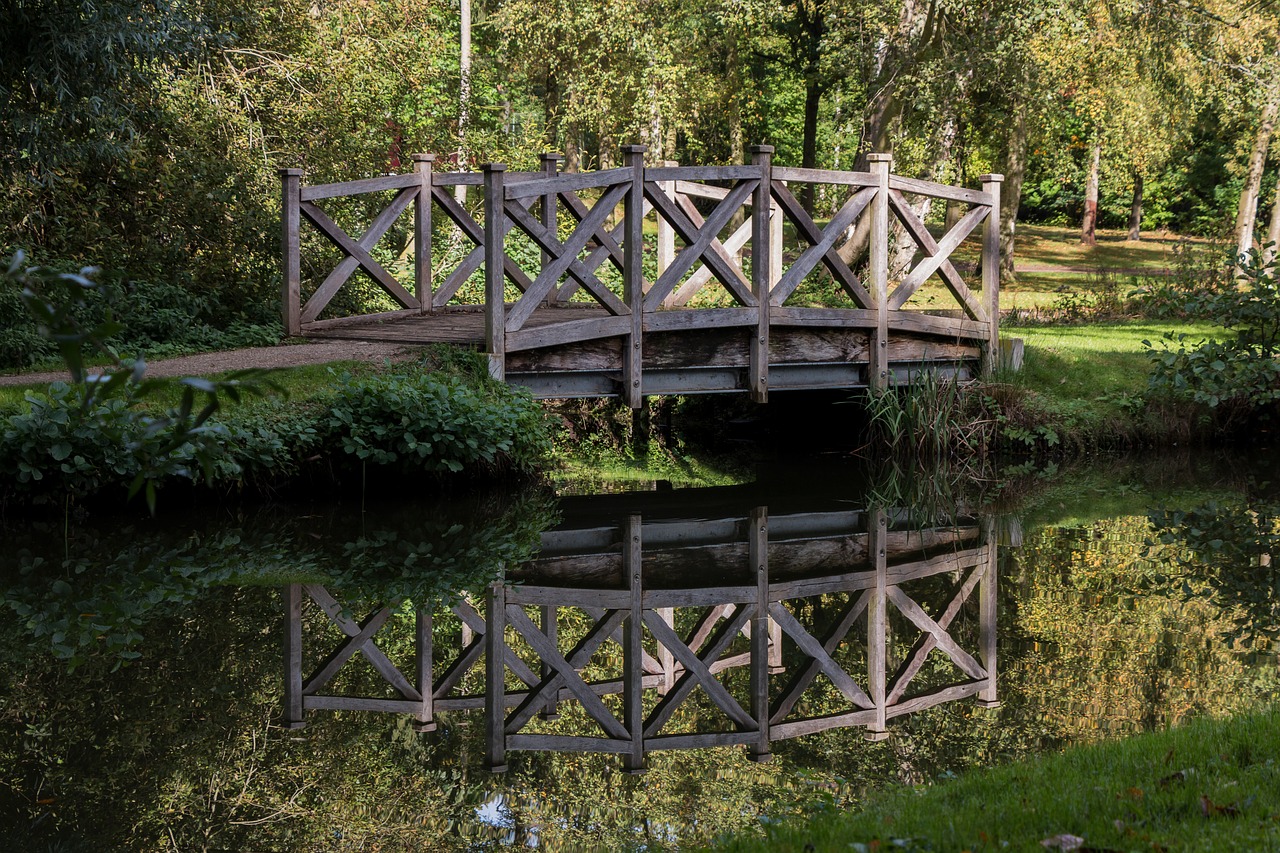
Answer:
(550, 626)
(567, 332)
(293, 601)
(566, 258)
(924, 622)
(495, 670)
(877, 615)
(590, 701)
(800, 682)
(666, 249)
(815, 651)
(824, 176)
(633, 629)
(319, 328)
(422, 232)
(699, 240)
(362, 703)
(357, 254)
(554, 683)
(808, 230)
(933, 261)
(700, 318)
(810, 257)
(566, 743)
(950, 277)
(728, 248)
(547, 207)
(991, 269)
(758, 371)
(700, 173)
(495, 345)
(360, 639)
(697, 190)
(476, 233)
(813, 725)
(879, 370)
(634, 293)
(290, 250)
(932, 190)
(568, 182)
(449, 180)
(987, 602)
(696, 672)
(927, 642)
(423, 655)
(366, 185)
(936, 697)
(702, 740)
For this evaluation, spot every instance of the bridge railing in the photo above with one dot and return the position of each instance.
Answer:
(551, 239)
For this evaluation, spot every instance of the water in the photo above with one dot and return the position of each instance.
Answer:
(251, 680)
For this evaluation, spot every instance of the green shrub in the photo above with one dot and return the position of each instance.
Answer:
(1233, 379)
(436, 422)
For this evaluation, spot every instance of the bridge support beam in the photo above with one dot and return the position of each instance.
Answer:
(495, 309)
(633, 276)
(991, 272)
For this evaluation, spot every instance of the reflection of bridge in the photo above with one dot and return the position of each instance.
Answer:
(753, 612)
(574, 304)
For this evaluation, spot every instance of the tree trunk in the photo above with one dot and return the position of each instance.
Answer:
(1089, 228)
(551, 106)
(1270, 251)
(1014, 164)
(1135, 209)
(1246, 215)
(572, 148)
(809, 150)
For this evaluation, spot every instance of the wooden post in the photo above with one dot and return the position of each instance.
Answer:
(987, 598)
(424, 649)
(775, 243)
(881, 164)
(422, 233)
(665, 658)
(293, 713)
(633, 277)
(761, 259)
(877, 621)
(495, 309)
(758, 554)
(550, 711)
(666, 234)
(291, 250)
(991, 272)
(547, 209)
(632, 648)
(495, 671)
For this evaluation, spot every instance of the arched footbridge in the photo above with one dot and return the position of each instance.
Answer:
(647, 280)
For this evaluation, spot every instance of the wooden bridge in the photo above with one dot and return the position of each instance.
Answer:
(648, 628)
(576, 303)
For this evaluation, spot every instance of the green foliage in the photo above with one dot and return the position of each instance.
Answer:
(1237, 378)
(438, 423)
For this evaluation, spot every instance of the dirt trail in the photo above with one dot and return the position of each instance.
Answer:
(289, 355)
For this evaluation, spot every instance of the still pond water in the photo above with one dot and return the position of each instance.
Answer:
(676, 662)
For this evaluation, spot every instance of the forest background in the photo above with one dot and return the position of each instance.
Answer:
(145, 137)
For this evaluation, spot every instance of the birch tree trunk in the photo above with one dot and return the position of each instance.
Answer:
(1273, 232)
(1135, 209)
(1089, 227)
(1246, 214)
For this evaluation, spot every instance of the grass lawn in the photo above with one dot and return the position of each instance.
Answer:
(1208, 785)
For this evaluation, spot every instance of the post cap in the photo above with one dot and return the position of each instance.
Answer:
(422, 158)
(634, 149)
(879, 158)
(291, 173)
(761, 149)
(550, 157)
(493, 167)
(993, 178)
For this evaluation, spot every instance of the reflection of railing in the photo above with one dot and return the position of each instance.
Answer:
(620, 588)
(606, 211)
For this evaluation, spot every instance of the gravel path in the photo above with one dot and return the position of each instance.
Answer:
(290, 355)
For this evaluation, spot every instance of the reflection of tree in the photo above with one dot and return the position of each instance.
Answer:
(93, 590)
(1103, 646)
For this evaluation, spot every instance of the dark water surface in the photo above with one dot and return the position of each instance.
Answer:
(675, 664)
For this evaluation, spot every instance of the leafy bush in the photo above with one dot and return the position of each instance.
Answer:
(1234, 379)
(436, 422)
